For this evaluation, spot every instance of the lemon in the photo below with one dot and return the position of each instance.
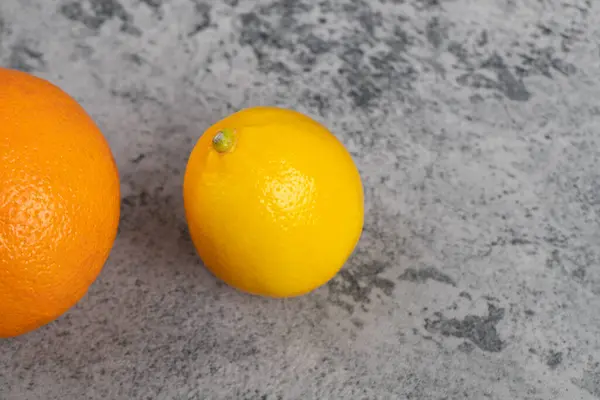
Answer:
(273, 201)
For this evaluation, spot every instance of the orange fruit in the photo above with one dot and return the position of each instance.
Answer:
(59, 202)
(274, 202)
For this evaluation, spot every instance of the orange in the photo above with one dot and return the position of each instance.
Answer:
(59, 202)
(274, 202)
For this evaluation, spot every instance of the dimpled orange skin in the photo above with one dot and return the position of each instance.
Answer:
(59, 202)
(280, 213)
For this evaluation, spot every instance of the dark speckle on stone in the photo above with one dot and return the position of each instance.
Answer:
(153, 4)
(352, 55)
(128, 201)
(512, 87)
(563, 67)
(262, 37)
(553, 260)
(423, 275)
(316, 101)
(543, 61)
(481, 331)
(362, 92)
(202, 19)
(519, 241)
(100, 11)
(24, 58)
(554, 359)
(368, 21)
(358, 323)
(590, 380)
(490, 298)
(579, 273)
(400, 40)
(545, 30)
(385, 285)
(465, 295)
(483, 38)
(459, 51)
(135, 58)
(2, 28)
(352, 288)
(315, 44)
(138, 158)
(476, 80)
(466, 347)
(435, 32)
(425, 4)
(74, 11)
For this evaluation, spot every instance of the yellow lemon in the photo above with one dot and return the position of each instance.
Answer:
(274, 202)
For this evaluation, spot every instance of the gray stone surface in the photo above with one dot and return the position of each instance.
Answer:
(475, 124)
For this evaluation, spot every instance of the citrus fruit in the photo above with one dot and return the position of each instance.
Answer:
(274, 202)
(59, 202)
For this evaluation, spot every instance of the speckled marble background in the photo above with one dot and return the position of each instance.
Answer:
(476, 127)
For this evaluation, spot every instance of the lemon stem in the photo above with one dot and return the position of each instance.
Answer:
(224, 140)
